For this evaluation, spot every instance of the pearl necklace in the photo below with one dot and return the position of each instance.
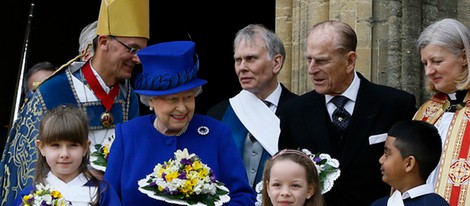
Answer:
(155, 124)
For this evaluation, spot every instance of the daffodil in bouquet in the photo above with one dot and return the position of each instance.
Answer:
(44, 195)
(184, 180)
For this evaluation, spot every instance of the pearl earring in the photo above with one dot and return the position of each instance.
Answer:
(151, 108)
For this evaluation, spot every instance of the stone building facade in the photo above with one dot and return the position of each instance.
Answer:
(387, 31)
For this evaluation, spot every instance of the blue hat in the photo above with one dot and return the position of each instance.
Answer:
(168, 68)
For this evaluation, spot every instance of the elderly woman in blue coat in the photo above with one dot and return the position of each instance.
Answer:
(168, 84)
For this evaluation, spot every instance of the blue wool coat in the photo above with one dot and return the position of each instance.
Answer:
(138, 147)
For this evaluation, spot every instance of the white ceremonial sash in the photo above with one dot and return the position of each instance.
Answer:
(260, 121)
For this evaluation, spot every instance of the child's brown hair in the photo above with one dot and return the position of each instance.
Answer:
(302, 159)
(64, 123)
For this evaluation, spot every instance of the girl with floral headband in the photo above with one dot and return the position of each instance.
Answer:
(291, 176)
(62, 176)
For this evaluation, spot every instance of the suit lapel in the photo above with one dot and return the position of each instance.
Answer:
(285, 95)
(319, 128)
(363, 118)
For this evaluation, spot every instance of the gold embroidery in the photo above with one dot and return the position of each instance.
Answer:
(459, 172)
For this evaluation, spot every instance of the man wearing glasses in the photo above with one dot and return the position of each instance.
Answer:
(100, 87)
(132, 50)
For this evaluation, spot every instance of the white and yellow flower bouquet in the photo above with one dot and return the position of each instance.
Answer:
(44, 195)
(184, 180)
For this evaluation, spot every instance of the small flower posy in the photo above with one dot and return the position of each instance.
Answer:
(328, 172)
(44, 195)
(101, 153)
(185, 181)
(327, 167)
(99, 156)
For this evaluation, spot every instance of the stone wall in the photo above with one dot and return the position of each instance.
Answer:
(386, 30)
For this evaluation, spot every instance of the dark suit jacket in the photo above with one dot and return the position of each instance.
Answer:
(218, 111)
(305, 123)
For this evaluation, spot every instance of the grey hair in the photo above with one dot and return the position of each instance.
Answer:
(272, 42)
(146, 98)
(87, 35)
(452, 35)
(347, 38)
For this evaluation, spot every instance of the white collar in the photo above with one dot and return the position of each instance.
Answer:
(351, 91)
(418, 191)
(80, 180)
(452, 96)
(275, 96)
(75, 190)
(100, 80)
(397, 197)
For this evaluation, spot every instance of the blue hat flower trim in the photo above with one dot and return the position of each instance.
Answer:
(168, 68)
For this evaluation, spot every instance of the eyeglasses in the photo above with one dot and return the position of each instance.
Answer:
(132, 50)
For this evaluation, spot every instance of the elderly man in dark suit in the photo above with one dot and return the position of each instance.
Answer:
(259, 56)
(345, 116)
